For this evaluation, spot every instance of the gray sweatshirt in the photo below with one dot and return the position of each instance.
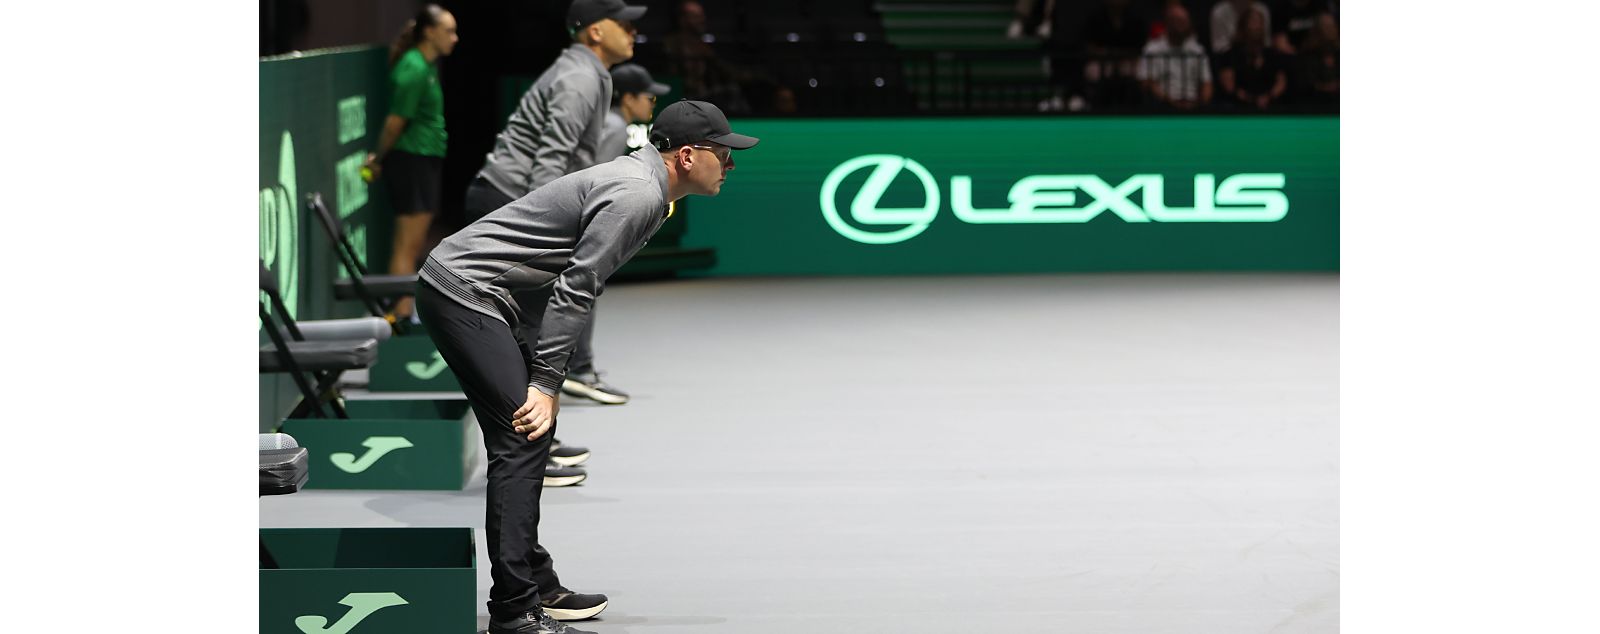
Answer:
(570, 235)
(614, 138)
(556, 127)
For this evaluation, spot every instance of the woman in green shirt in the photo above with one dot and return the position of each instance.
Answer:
(411, 148)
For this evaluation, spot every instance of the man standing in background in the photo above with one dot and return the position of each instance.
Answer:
(555, 131)
(1225, 18)
(556, 128)
(1174, 68)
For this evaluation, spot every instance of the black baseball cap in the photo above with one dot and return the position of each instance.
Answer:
(583, 13)
(632, 78)
(687, 122)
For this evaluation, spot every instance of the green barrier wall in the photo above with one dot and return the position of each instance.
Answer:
(367, 581)
(865, 197)
(950, 196)
(319, 115)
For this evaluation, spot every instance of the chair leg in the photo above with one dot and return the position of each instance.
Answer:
(308, 407)
(325, 383)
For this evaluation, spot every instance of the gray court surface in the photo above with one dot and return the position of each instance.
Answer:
(1094, 453)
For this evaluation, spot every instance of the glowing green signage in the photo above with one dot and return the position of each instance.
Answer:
(352, 192)
(352, 118)
(997, 195)
(1043, 199)
(864, 207)
(280, 227)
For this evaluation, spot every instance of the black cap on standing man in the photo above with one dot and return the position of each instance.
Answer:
(583, 13)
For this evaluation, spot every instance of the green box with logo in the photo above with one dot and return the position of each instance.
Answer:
(390, 444)
(368, 581)
(410, 364)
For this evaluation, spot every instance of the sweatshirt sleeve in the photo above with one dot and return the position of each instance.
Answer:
(620, 221)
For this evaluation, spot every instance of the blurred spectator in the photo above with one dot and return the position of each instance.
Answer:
(1294, 22)
(1174, 67)
(705, 77)
(284, 25)
(1317, 64)
(1065, 55)
(1158, 26)
(1060, 24)
(1251, 74)
(1021, 14)
(1113, 37)
(1225, 20)
(783, 101)
(1062, 53)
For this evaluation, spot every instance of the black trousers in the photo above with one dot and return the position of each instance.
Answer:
(483, 198)
(488, 360)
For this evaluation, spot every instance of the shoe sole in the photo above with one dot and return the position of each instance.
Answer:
(579, 389)
(570, 461)
(564, 481)
(575, 615)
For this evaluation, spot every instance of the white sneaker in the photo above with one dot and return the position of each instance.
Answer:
(590, 386)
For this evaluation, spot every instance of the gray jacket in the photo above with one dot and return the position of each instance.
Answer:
(556, 128)
(614, 138)
(568, 236)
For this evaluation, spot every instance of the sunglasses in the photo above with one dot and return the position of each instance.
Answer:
(722, 153)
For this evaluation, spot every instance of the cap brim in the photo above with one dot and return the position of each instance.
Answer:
(629, 13)
(659, 90)
(736, 141)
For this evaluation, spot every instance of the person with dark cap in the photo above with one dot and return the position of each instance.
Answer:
(556, 128)
(633, 100)
(561, 242)
(555, 131)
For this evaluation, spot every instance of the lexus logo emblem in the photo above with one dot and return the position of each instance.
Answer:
(902, 223)
(1046, 199)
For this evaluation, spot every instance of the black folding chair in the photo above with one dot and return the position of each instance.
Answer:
(377, 292)
(320, 349)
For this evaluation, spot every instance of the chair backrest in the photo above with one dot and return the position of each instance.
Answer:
(269, 282)
(269, 285)
(345, 251)
(330, 224)
(335, 230)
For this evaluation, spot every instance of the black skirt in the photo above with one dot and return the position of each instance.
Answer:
(413, 181)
